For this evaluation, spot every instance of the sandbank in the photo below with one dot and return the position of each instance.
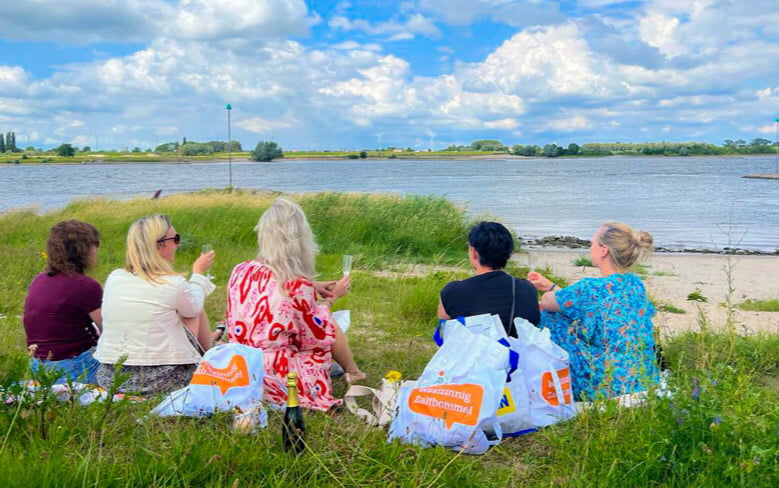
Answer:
(672, 276)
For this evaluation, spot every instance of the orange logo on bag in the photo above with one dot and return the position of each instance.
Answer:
(548, 391)
(235, 374)
(453, 403)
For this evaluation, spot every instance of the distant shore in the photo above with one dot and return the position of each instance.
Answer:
(99, 158)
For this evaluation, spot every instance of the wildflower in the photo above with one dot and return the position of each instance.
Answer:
(695, 392)
(706, 449)
(680, 420)
(44, 255)
(393, 376)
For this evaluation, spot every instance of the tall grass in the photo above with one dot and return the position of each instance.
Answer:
(721, 427)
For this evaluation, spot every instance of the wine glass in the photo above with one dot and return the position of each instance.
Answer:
(347, 264)
(206, 248)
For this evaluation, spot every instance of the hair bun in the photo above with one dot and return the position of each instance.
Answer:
(645, 239)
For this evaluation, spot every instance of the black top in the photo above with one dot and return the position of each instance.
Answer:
(491, 293)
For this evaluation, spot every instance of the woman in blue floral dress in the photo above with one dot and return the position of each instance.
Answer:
(605, 323)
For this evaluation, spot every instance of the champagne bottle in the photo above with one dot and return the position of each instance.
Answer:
(293, 429)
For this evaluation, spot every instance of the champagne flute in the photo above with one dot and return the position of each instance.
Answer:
(347, 264)
(206, 248)
(531, 261)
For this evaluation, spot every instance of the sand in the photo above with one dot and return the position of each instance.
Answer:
(671, 277)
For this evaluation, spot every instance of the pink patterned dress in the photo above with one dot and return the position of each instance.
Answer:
(294, 332)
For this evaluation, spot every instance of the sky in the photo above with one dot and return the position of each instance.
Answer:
(364, 74)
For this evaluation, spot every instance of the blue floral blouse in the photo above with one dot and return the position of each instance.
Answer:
(605, 324)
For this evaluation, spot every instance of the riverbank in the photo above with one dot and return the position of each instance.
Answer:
(671, 277)
(718, 429)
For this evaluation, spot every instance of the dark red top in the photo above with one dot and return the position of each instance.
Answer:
(56, 314)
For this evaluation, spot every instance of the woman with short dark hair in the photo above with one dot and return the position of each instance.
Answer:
(492, 290)
(63, 303)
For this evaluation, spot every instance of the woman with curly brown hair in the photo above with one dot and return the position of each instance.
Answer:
(63, 303)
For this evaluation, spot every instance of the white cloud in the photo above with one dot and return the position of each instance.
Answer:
(74, 21)
(414, 25)
(260, 125)
(572, 123)
(238, 18)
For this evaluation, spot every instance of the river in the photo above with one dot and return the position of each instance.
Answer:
(693, 202)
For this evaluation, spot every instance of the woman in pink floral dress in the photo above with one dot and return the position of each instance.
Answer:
(274, 304)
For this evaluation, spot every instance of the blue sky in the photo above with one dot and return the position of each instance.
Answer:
(418, 73)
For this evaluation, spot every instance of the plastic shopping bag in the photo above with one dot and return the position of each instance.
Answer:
(485, 324)
(455, 400)
(545, 368)
(229, 378)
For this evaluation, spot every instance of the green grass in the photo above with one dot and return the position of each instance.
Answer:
(670, 308)
(767, 305)
(721, 428)
(583, 261)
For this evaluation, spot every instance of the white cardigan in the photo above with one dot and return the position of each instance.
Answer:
(142, 320)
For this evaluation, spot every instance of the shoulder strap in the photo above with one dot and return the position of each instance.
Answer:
(513, 304)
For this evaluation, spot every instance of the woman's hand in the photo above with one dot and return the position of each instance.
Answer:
(204, 262)
(542, 283)
(324, 288)
(341, 287)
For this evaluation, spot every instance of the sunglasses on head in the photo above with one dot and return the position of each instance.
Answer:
(176, 239)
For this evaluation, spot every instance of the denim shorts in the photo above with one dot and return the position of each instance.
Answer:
(81, 368)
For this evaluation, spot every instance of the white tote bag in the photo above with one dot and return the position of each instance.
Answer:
(229, 378)
(455, 400)
(485, 324)
(545, 368)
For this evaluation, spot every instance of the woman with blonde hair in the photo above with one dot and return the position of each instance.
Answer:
(274, 304)
(152, 315)
(63, 303)
(605, 323)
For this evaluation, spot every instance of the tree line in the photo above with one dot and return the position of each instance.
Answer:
(191, 148)
(730, 146)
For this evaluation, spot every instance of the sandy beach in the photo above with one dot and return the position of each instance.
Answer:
(671, 277)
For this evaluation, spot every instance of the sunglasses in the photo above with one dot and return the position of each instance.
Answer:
(176, 239)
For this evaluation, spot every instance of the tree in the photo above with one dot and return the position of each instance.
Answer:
(553, 150)
(167, 147)
(573, 148)
(86, 149)
(2, 144)
(12, 144)
(363, 154)
(65, 150)
(267, 151)
(759, 141)
(487, 145)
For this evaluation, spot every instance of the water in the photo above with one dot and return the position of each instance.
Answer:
(684, 202)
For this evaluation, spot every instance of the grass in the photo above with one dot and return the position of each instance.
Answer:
(768, 305)
(583, 261)
(721, 428)
(670, 308)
